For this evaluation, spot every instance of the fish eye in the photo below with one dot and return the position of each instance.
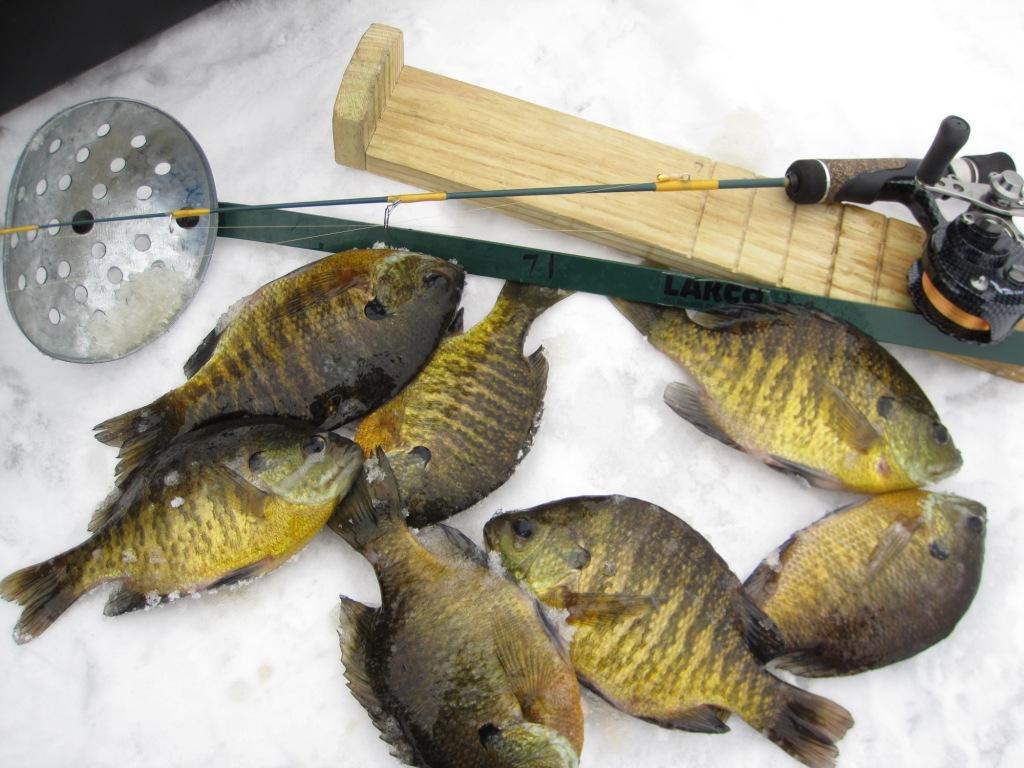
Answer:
(938, 551)
(578, 559)
(436, 278)
(315, 444)
(487, 731)
(375, 310)
(522, 528)
(941, 434)
(422, 452)
(884, 406)
(257, 462)
(975, 523)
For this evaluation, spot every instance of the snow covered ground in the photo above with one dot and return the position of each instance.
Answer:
(252, 676)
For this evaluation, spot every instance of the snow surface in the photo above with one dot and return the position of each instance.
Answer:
(252, 676)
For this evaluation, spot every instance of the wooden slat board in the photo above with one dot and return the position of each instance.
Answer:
(439, 133)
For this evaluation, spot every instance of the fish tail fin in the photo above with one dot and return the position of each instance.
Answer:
(372, 507)
(807, 726)
(535, 298)
(139, 433)
(46, 590)
(642, 316)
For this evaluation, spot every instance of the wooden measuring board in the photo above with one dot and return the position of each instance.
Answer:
(439, 133)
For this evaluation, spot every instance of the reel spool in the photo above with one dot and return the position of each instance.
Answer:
(969, 281)
(86, 294)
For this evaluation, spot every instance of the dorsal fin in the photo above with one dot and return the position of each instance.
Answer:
(356, 637)
(203, 353)
(107, 511)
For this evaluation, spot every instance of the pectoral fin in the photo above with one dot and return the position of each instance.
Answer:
(892, 541)
(595, 607)
(687, 402)
(847, 421)
(813, 476)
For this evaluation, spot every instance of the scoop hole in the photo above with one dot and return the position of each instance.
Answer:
(82, 155)
(31, 235)
(64, 182)
(14, 240)
(99, 191)
(54, 145)
(21, 193)
(81, 294)
(138, 141)
(54, 315)
(81, 222)
(115, 275)
(103, 130)
(117, 164)
(53, 227)
(41, 186)
(99, 250)
(144, 192)
(188, 222)
(41, 275)
(22, 282)
(162, 169)
(142, 243)
(63, 270)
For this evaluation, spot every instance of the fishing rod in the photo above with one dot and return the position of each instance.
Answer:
(122, 163)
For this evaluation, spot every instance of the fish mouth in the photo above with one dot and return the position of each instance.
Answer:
(491, 533)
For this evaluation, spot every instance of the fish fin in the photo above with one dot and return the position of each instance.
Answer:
(526, 670)
(641, 316)
(355, 633)
(46, 592)
(714, 321)
(847, 421)
(455, 542)
(761, 584)
(808, 726)
(763, 638)
(702, 718)
(108, 511)
(124, 599)
(139, 434)
(373, 506)
(539, 367)
(813, 476)
(314, 289)
(252, 499)
(535, 298)
(890, 544)
(806, 663)
(687, 402)
(457, 324)
(250, 571)
(202, 354)
(596, 607)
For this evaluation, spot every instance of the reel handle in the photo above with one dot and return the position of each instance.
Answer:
(952, 135)
(845, 181)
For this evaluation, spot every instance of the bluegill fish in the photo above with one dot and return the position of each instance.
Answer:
(463, 424)
(457, 667)
(224, 503)
(326, 343)
(871, 584)
(803, 392)
(662, 627)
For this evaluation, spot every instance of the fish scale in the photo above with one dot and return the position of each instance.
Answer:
(474, 407)
(801, 391)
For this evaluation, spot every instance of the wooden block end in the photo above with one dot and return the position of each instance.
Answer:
(365, 88)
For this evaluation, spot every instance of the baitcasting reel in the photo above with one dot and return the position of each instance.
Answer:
(969, 282)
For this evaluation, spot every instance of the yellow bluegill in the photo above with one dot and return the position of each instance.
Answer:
(803, 392)
(224, 503)
(874, 583)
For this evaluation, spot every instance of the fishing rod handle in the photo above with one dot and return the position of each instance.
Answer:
(845, 181)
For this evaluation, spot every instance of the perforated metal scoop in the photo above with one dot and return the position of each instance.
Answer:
(88, 293)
